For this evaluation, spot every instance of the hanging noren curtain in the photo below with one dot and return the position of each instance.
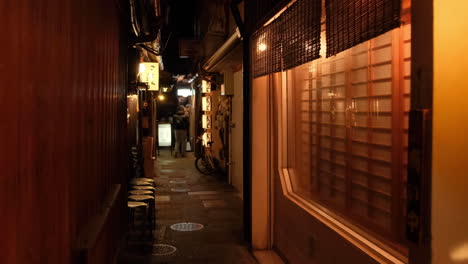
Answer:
(350, 22)
(293, 38)
(301, 33)
(266, 50)
(290, 40)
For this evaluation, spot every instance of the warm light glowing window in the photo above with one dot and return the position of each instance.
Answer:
(346, 120)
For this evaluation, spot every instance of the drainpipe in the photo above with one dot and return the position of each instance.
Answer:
(247, 132)
(152, 19)
(133, 21)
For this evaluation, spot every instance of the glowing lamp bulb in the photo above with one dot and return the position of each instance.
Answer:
(161, 97)
(262, 47)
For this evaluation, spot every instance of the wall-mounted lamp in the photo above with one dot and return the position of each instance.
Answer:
(262, 47)
(161, 97)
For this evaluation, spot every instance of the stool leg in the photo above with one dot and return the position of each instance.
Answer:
(144, 224)
(131, 222)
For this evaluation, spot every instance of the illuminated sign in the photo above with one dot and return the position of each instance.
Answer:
(206, 103)
(206, 87)
(184, 92)
(149, 73)
(206, 139)
(206, 121)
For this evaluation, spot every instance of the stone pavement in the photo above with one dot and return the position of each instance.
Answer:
(184, 195)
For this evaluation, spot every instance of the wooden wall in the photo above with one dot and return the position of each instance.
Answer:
(62, 123)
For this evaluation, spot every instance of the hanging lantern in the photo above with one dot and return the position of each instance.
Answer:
(206, 103)
(206, 121)
(149, 73)
(206, 87)
(206, 139)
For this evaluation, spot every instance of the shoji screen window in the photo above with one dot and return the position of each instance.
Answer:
(347, 120)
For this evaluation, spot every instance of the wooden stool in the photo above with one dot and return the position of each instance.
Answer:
(141, 192)
(133, 207)
(144, 180)
(142, 187)
(147, 199)
(140, 183)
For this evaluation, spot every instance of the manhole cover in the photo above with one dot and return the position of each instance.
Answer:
(178, 181)
(180, 190)
(163, 249)
(186, 227)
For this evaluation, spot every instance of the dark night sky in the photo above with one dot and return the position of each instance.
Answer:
(182, 20)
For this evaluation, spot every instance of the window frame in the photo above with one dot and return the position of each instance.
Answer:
(366, 240)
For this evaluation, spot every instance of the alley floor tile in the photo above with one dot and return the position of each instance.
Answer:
(210, 202)
(214, 203)
(203, 193)
(162, 198)
(208, 197)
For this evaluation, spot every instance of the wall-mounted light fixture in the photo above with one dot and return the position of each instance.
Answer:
(262, 47)
(161, 97)
(261, 43)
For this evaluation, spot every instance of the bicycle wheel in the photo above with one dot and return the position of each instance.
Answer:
(203, 166)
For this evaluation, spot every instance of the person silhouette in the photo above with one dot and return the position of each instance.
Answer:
(180, 124)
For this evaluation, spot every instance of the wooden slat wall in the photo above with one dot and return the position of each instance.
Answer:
(9, 152)
(62, 136)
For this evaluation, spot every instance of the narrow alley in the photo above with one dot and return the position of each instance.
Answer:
(183, 195)
(233, 131)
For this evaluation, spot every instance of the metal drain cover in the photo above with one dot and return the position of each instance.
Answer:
(177, 189)
(177, 181)
(186, 227)
(163, 249)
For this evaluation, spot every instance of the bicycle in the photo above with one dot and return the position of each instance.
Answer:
(205, 163)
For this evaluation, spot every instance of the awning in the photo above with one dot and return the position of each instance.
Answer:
(230, 51)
